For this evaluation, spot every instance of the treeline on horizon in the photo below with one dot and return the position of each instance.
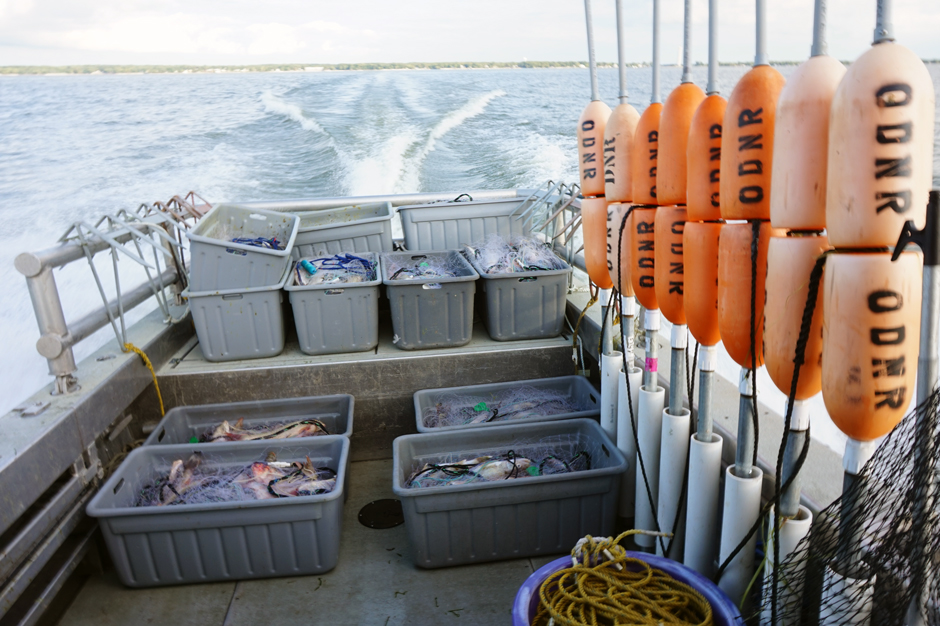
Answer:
(300, 67)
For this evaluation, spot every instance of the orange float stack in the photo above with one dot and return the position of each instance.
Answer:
(591, 127)
(798, 204)
(745, 187)
(792, 341)
(669, 286)
(879, 175)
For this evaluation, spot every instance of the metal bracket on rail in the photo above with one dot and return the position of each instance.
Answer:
(151, 227)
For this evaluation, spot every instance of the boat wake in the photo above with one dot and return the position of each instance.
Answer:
(273, 104)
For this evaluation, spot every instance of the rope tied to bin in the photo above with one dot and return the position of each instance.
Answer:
(605, 586)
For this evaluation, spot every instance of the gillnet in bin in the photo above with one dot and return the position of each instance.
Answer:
(496, 255)
(336, 269)
(508, 404)
(560, 454)
(895, 492)
(288, 429)
(421, 266)
(200, 481)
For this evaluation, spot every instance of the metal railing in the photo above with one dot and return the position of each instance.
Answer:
(157, 226)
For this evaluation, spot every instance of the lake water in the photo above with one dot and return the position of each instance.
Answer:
(77, 147)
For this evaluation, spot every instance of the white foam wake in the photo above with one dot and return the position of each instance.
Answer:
(273, 104)
(410, 180)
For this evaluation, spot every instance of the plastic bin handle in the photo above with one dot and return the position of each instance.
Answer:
(258, 216)
(232, 296)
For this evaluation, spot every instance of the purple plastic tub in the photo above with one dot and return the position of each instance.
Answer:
(724, 612)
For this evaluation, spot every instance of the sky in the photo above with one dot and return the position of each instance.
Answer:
(244, 32)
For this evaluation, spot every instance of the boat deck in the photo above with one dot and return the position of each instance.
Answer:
(383, 380)
(375, 582)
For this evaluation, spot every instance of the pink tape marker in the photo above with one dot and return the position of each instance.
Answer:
(652, 364)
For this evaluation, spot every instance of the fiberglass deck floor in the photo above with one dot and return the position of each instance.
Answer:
(374, 582)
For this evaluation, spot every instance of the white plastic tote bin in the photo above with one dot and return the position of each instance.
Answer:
(337, 317)
(434, 312)
(506, 519)
(356, 228)
(449, 225)
(235, 324)
(577, 389)
(525, 305)
(182, 423)
(216, 262)
(190, 543)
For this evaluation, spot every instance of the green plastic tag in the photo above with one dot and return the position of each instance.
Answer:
(532, 470)
(194, 440)
(423, 264)
(480, 407)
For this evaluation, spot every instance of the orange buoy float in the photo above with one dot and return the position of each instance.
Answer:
(700, 252)
(704, 160)
(591, 126)
(618, 244)
(668, 271)
(645, 155)
(618, 151)
(642, 256)
(594, 231)
(801, 139)
(790, 261)
(748, 145)
(734, 290)
(674, 124)
(880, 148)
(871, 331)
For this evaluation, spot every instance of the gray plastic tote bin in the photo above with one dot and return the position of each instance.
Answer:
(216, 262)
(182, 423)
(506, 519)
(449, 225)
(190, 543)
(577, 388)
(238, 324)
(525, 305)
(337, 317)
(356, 228)
(431, 312)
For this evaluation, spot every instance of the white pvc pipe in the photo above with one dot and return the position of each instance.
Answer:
(846, 601)
(741, 510)
(789, 590)
(674, 450)
(649, 432)
(702, 521)
(611, 366)
(625, 439)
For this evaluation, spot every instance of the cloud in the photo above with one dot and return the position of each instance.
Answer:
(315, 31)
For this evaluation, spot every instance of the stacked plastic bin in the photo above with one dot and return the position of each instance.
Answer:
(240, 260)
(213, 541)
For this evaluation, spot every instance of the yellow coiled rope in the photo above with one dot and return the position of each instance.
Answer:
(132, 348)
(608, 587)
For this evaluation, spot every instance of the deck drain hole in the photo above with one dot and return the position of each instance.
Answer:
(381, 514)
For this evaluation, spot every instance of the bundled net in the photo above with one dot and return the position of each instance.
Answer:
(197, 481)
(423, 266)
(560, 454)
(454, 409)
(285, 429)
(496, 255)
(337, 269)
(892, 511)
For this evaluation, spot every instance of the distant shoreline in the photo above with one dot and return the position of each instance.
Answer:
(70, 70)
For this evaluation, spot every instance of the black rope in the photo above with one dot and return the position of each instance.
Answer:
(799, 358)
(755, 245)
(626, 375)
